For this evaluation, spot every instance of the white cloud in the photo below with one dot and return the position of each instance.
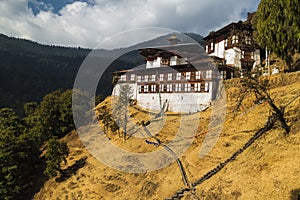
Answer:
(81, 24)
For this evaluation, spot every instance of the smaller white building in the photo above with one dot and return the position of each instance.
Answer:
(233, 47)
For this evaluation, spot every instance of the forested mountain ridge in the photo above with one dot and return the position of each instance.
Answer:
(27, 47)
(30, 70)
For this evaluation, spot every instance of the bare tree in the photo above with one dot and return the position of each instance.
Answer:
(260, 87)
(121, 107)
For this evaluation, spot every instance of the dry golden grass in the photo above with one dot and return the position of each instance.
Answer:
(268, 169)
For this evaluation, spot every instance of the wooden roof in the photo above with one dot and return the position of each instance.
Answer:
(227, 29)
(180, 50)
(178, 68)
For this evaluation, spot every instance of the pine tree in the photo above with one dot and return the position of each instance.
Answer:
(277, 27)
(121, 108)
(56, 152)
(18, 154)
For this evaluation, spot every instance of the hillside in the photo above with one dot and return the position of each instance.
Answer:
(267, 169)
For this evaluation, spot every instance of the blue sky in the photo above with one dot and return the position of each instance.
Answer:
(53, 5)
(87, 23)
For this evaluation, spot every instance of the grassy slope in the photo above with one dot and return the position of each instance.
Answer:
(269, 169)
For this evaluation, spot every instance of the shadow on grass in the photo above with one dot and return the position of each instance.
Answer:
(295, 194)
(248, 131)
(71, 170)
(35, 182)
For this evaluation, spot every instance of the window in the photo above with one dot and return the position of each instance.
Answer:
(210, 47)
(198, 87)
(169, 88)
(123, 77)
(178, 87)
(146, 78)
(146, 87)
(188, 76)
(140, 88)
(139, 79)
(206, 48)
(187, 87)
(132, 76)
(169, 76)
(247, 40)
(153, 77)
(153, 88)
(235, 39)
(209, 74)
(198, 74)
(202, 86)
(192, 75)
(219, 75)
(206, 87)
(243, 54)
(161, 77)
(226, 43)
(192, 87)
(247, 55)
(161, 88)
(165, 61)
(223, 75)
(178, 76)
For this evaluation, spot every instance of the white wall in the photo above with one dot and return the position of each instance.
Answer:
(233, 57)
(133, 86)
(116, 90)
(182, 61)
(177, 102)
(257, 58)
(229, 56)
(173, 60)
(219, 50)
(149, 64)
(156, 62)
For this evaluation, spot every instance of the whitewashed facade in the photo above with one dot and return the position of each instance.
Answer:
(233, 44)
(169, 82)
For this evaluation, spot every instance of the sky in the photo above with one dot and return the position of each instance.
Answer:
(86, 23)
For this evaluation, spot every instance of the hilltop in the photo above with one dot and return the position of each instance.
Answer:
(267, 169)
